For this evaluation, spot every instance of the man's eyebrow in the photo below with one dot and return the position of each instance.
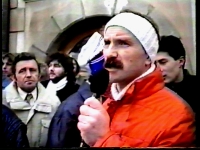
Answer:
(119, 38)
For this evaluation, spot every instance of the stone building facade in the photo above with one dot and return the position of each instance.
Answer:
(46, 26)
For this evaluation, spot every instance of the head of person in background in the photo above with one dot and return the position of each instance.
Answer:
(62, 75)
(171, 59)
(76, 66)
(26, 71)
(44, 72)
(7, 61)
(60, 66)
(101, 30)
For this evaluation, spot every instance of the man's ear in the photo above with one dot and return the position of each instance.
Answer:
(13, 78)
(39, 76)
(181, 61)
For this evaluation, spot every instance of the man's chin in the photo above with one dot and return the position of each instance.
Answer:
(166, 81)
(52, 77)
(112, 70)
(29, 88)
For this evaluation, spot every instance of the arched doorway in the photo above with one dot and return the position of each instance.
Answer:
(76, 32)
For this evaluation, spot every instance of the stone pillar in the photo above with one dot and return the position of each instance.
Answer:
(17, 26)
(5, 25)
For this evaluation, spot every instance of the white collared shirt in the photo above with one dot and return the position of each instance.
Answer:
(24, 94)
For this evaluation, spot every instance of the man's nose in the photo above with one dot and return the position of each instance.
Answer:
(4, 67)
(28, 73)
(110, 52)
(51, 68)
(160, 67)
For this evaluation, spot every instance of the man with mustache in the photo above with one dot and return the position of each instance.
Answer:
(29, 99)
(62, 76)
(141, 112)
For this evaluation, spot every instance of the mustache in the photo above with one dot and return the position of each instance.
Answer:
(113, 63)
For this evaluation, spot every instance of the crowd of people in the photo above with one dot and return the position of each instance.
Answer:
(138, 93)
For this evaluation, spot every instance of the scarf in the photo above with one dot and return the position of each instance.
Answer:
(54, 87)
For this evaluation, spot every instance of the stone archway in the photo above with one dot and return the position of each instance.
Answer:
(76, 32)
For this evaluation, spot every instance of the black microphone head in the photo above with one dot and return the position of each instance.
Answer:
(99, 82)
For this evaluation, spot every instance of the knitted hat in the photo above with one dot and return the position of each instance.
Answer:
(141, 28)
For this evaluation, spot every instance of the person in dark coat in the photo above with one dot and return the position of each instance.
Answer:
(14, 130)
(171, 60)
(62, 76)
(63, 131)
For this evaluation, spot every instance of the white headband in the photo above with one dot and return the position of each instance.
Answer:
(141, 28)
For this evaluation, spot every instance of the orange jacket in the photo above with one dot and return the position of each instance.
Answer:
(149, 115)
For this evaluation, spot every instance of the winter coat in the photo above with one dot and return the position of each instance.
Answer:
(38, 117)
(149, 115)
(13, 130)
(63, 128)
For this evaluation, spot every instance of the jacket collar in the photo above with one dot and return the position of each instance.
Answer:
(144, 87)
(84, 90)
(16, 102)
(24, 94)
(119, 95)
(186, 79)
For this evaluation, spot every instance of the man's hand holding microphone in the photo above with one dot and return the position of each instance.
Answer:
(94, 121)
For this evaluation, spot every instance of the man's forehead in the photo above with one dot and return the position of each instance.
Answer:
(26, 63)
(54, 62)
(162, 55)
(118, 31)
(6, 59)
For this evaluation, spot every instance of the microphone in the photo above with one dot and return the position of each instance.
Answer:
(99, 83)
(99, 78)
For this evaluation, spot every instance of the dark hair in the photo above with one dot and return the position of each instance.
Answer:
(148, 18)
(80, 44)
(66, 62)
(23, 57)
(101, 30)
(44, 72)
(77, 67)
(9, 56)
(172, 46)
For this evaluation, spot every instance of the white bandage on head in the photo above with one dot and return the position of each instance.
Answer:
(141, 28)
(93, 46)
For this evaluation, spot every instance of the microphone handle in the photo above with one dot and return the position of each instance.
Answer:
(97, 96)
